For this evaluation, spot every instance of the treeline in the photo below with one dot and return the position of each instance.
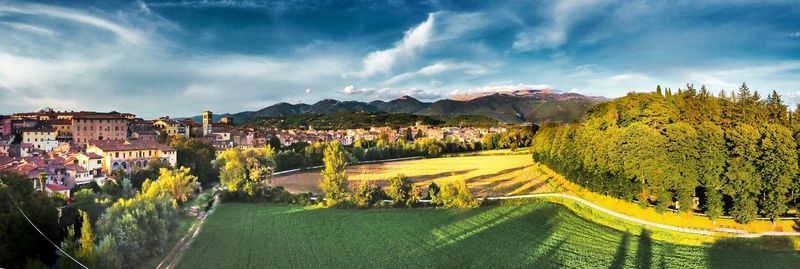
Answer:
(366, 120)
(300, 155)
(734, 153)
(245, 174)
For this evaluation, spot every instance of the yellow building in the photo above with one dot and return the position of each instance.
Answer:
(131, 155)
(40, 138)
(167, 125)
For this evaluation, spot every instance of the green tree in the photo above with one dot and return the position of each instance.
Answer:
(778, 167)
(402, 191)
(20, 240)
(334, 183)
(85, 252)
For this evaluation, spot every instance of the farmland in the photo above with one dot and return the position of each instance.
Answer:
(538, 234)
(495, 173)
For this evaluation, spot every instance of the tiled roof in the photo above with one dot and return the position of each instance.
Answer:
(127, 145)
(57, 187)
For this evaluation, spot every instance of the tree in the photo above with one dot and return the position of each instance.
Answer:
(19, 239)
(245, 173)
(711, 164)
(402, 191)
(85, 252)
(197, 155)
(778, 167)
(334, 183)
(178, 183)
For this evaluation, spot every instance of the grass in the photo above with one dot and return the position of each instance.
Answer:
(495, 174)
(533, 235)
(675, 219)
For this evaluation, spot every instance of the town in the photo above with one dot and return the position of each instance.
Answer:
(60, 150)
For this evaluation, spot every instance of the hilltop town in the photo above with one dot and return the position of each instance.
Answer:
(60, 150)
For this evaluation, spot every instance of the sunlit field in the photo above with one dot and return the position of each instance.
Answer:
(534, 235)
(499, 174)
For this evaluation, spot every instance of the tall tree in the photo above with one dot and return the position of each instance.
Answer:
(334, 182)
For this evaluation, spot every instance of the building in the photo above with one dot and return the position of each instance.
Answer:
(4, 149)
(40, 138)
(98, 126)
(226, 120)
(208, 119)
(166, 125)
(130, 155)
(63, 127)
(5, 125)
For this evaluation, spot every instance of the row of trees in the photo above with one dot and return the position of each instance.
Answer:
(302, 155)
(736, 153)
(400, 189)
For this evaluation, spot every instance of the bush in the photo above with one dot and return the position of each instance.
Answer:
(455, 195)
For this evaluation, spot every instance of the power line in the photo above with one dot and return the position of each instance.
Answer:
(37, 228)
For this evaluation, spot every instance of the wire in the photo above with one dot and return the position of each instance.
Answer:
(37, 228)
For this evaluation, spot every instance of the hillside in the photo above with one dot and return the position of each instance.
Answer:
(512, 107)
(365, 120)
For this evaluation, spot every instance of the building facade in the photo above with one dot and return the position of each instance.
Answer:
(130, 155)
(98, 126)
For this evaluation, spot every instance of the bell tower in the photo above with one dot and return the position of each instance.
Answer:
(208, 119)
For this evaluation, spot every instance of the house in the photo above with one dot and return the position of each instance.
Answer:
(41, 138)
(130, 155)
(166, 125)
(144, 135)
(4, 149)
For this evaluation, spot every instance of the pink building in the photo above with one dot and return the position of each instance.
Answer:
(98, 126)
(5, 125)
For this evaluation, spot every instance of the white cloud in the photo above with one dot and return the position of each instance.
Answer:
(77, 16)
(308, 90)
(414, 40)
(553, 33)
(795, 34)
(29, 28)
(349, 89)
(389, 93)
(439, 68)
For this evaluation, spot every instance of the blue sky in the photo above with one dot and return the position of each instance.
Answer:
(178, 58)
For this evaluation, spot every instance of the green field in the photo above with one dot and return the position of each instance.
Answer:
(535, 235)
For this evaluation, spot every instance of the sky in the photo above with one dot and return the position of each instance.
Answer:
(178, 58)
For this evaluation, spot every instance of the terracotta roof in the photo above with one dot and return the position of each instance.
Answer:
(76, 168)
(92, 155)
(98, 115)
(57, 187)
(126, 145)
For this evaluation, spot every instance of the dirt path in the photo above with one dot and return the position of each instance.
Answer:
(174, 255)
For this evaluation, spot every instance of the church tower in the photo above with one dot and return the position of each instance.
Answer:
(208, 118)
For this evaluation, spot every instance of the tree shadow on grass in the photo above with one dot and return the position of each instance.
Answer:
(644, 252)
(762, 252)
(528, 234)
(622, 251)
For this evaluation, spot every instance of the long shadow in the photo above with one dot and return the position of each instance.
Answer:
(622, 251)
(644, 252)
(505, 171)
(763, 252)
(497, 239)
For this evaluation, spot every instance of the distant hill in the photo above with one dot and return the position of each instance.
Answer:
(364, 120)
(511, 107)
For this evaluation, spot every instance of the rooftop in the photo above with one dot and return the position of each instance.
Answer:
(128, 145)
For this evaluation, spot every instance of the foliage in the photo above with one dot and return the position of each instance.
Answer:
(402, 191)
(245, 172)
(197, 156)
(737, 153)
(454, 195)
(178, 183)
(361, 120)
(334, 183)
(20, 241)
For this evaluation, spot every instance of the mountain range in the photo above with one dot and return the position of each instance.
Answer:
(509, 106)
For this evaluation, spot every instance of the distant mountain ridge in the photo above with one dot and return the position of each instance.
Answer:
(517, 106)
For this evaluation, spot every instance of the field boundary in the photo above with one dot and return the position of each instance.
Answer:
(358, 163)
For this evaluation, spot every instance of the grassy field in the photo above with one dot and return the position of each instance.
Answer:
(534, 235)
(496, 174)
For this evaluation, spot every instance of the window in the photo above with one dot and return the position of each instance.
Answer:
(116, 155)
